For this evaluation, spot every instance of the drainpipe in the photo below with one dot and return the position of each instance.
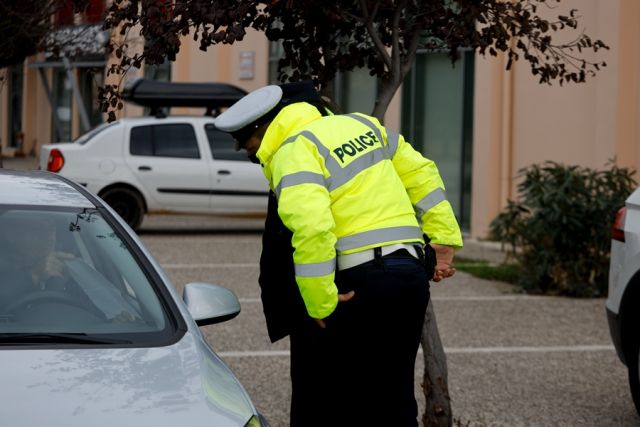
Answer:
(84, 117)
(506, 137)
(54, 115)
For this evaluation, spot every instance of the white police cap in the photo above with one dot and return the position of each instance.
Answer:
(249, 109)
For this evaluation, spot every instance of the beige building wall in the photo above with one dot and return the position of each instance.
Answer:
(36, 114)
(38, 126)
(221, 63)
(243, 64)
(224, 63)
(519, 122)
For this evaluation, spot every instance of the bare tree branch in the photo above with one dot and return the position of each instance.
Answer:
(375, 38)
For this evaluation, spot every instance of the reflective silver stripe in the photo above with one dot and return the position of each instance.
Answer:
(370, 124)
(299, 178)
(430, 200)
(316, 269)
(344, 175)
(382, 235)
(331, 163)
(393, 138)
(339, 175)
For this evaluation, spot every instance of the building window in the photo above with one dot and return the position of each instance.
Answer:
(437, 118)
(353, 91)
(356, 91)
(16, 79)
(90, 80)
(276, 52)
(159, 73)
(64, 14)
(95, 12)
(62, 106)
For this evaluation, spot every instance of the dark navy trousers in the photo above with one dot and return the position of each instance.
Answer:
(359, 371)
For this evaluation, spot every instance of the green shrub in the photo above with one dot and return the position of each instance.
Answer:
(560, 228)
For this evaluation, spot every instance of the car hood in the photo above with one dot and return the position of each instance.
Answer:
(182, 384)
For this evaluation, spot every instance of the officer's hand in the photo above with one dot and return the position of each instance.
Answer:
(444, 260)
(341, 298)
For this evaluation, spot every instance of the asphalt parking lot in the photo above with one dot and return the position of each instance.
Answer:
(514, 360)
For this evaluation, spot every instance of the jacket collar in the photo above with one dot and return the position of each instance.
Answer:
(287, 123)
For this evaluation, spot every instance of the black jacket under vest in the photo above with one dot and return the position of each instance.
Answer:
(281, 300)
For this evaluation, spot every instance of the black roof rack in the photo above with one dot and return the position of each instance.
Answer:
(155, 95)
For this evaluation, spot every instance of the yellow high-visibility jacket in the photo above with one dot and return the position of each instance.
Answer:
(344, 184)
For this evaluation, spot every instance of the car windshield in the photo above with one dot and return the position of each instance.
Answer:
(68, 274)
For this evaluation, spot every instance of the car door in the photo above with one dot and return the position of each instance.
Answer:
(237, 184)
(171, 167)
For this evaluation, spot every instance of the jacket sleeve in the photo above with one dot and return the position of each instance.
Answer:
(424, 185)
(304, 205)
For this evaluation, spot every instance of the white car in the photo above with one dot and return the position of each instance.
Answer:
(157, 164)
(92, 331)
(623, 302)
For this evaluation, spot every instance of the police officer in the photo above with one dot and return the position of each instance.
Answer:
(357, 199)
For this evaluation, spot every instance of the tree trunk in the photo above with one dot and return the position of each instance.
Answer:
(387, 91)
(435, 385)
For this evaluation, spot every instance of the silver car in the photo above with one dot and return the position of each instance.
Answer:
(92, 332)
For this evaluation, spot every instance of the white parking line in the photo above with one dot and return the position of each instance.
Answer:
(469, 298)
(551, 349)
(490, 298)
(222, 265)
(453, 350)
(249, 300)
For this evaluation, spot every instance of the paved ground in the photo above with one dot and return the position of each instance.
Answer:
(22, 162)
(513, 360)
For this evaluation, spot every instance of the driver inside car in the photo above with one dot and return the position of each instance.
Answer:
(29, 260)
(30, 264)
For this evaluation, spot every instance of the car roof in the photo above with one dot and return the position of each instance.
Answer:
(170, 118)
(39, 188)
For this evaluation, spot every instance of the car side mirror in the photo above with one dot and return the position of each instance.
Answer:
(209, 304)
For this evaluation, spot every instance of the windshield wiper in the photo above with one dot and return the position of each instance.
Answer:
(57, 338)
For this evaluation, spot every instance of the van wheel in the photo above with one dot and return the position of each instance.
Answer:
(127, 203)
(634, 378)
